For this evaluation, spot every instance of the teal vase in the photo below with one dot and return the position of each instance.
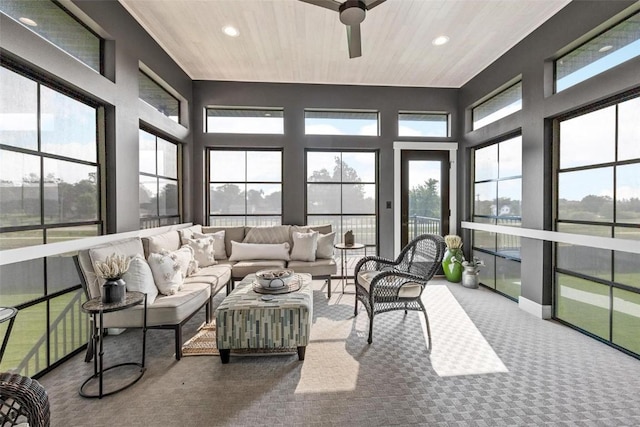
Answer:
(452, 269)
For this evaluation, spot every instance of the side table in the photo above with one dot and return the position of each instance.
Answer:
(343, 248)
(95, 307)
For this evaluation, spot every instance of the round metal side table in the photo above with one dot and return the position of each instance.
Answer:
(96, 308)
(343, 248)
(7, 314)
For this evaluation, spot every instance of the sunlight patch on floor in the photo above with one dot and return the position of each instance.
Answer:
(458, 346)
(328, 367)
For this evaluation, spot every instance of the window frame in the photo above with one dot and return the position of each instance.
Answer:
(376, 215)
(246, 150)
(342, 111)
(158, 220)
(447, 116)
(492, 97)
(264, 110)
(163, 89)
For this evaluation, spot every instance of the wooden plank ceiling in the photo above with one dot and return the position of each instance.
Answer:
(292, 41)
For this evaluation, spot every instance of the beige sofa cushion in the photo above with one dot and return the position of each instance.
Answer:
(188, 232)
(129, 247)
(235, 234)
(154, 244)
(270, 234)
(322, 229)
(217, 275)
(243, 268)
(166, 310)
(319, 267)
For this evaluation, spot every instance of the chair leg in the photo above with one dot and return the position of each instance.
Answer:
(426, 318)
(355, 305)
(405, 308)
(89, 355)
(370, 339)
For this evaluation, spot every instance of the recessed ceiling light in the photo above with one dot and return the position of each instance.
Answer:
(27, 21)
(231, 31)
(440, 40)
(605, 48)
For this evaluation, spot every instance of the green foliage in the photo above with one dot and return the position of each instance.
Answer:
(424, 199)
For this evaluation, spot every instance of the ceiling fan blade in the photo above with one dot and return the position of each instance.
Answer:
(327, 4)
(353, 38)
(374, 3)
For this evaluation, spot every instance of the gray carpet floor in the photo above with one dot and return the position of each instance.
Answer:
(492, 364)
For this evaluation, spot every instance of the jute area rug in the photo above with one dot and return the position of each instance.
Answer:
(203, 343)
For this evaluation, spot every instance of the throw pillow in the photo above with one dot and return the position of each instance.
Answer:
(268, 234)
(325, 245)
(304, 246)
(202, 250)
(183, 257)
(140, 278)
(187, 233)
(166, 272)
(259, 251)
(218, 242)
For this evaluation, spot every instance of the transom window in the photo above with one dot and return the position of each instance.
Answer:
(331, 122)
(54, 23)
(342, 191)
(423, 124)
(158, 97)
(159, 181)
(498, 106)
(245, 120)
(245, 187)
(603, 52)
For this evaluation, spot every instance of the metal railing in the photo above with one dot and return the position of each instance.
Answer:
(67, 326)
(423, 225)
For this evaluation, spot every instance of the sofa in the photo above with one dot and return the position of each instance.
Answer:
(250, 249)
(205, 260)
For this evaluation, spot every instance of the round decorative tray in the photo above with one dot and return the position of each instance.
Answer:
(292, 286)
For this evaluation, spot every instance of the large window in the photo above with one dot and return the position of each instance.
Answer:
(498, 106)
(342, 191)
(423, 124)
(245, 120)
(52, 22)
(158, 97)
(330, 122)
(245, 187)
(497, 190)
(598, 194)
(603, 52)
(49, 192)
(159, 183)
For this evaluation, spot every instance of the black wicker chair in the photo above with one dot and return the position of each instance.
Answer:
(384, 285)
(23, 399)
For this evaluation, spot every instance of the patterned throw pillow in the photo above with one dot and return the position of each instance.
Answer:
(139, 277)
(269, 234)
(166, 272)
(202, 250)
(218, 242)
(304, 246)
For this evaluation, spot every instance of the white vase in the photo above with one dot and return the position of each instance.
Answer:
(470, 277)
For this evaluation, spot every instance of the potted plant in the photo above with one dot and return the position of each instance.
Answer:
(453, 258)
(111, 270)
(470, 277)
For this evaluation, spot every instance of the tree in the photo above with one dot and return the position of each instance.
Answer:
(424, 199)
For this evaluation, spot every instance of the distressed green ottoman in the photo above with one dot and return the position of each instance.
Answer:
(245, 321)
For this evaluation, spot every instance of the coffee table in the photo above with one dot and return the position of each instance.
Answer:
(245, 321)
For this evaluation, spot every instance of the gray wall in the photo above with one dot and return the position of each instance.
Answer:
(532, 59)
(294, 98)
(118, 89)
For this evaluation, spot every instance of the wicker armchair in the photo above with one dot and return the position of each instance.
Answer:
(23, 399)
(384, 285)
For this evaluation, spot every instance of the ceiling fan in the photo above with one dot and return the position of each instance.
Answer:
(352, 13)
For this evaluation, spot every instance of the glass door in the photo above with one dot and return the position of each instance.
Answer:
(425, 194)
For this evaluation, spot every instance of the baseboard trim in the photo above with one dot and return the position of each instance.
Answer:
(538, 310)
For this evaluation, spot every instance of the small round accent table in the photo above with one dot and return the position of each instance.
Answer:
(96, 308)
(343, 248)
(7, 314)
